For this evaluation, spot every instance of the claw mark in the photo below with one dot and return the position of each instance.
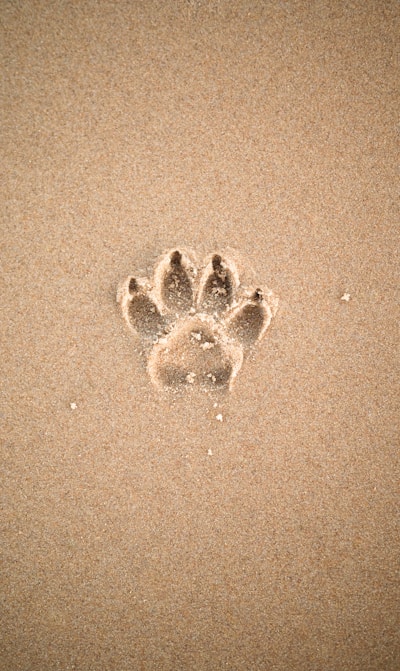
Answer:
(139, 309)
(175, 285)
(249, 321)
(218, 285)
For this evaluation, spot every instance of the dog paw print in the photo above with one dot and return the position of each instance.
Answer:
(196, 326)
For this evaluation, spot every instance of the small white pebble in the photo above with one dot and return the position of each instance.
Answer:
(215, 405)
(207, 345)
(196, 335)
(218, 417)
(345, 297)
(73, 406)
(190, 377)
(209, 452)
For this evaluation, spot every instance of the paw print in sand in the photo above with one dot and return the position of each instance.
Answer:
(197, 326)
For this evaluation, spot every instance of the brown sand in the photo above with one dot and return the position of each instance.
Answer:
(139, 532)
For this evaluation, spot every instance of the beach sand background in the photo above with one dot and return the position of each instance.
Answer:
(269, 129)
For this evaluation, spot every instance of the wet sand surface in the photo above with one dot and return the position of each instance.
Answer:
(140, 532)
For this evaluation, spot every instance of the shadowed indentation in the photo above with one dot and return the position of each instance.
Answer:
(133, 286)
(249, 321)
(218, 377)
(176, 290)
(144, 315)
(219, 288)
(172, 376)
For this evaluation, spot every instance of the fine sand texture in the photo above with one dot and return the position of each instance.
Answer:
(233, 507)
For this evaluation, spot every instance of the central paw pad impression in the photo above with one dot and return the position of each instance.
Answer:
(197, 326)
